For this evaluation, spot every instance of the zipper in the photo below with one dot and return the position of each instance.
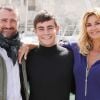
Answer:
(86, 78)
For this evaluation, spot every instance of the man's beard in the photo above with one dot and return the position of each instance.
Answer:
(8, 32)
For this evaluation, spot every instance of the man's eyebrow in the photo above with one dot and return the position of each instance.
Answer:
(50, 26)
(40, 27)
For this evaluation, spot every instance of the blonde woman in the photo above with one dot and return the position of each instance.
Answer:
(87, 57)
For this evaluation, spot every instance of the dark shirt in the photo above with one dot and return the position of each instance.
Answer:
(50, 73)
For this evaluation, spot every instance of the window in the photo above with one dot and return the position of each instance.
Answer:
(31, 5)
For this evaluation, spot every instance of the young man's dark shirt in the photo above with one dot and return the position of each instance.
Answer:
(50, 73)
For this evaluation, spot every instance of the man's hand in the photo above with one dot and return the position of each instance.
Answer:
(24, 50)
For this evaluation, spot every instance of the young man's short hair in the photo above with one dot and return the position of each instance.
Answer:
(43, 16)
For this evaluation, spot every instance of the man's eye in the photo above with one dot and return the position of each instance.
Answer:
(3, 20)
(51, 28)
(40, 29)
(13, 20)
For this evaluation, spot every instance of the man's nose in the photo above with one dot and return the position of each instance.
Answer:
(46, 31)
(8, 24)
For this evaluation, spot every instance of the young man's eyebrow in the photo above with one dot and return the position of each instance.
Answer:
(50, 26)
(40, 27)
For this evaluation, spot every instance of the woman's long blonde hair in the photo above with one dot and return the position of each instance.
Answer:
(85, 42)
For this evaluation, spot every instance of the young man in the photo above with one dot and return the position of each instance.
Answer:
(49, 66)
(13, 85)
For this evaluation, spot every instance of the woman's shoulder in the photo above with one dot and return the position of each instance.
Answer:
(74, 46)
(71, 45)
